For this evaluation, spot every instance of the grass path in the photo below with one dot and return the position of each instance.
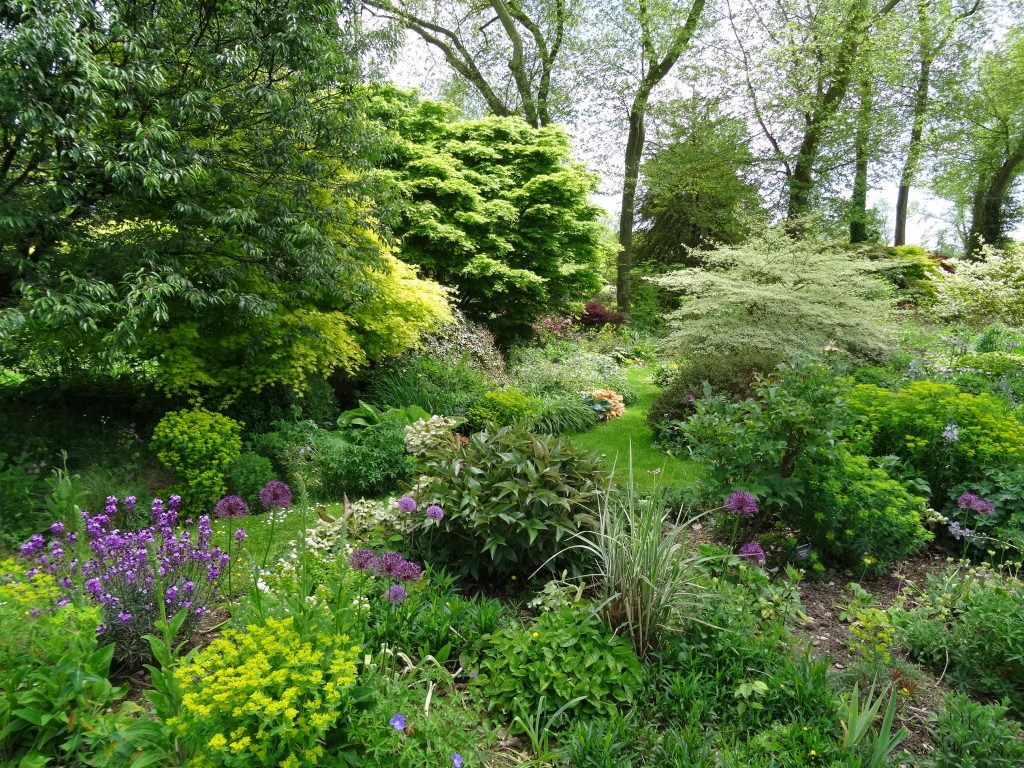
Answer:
(614, 439)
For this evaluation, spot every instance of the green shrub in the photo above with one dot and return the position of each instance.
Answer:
(367, 462)
(198, 446)
(563, 658)
(511, 501)
(858, 516)
(968, 734)
(564, 414)
(503, 408)
(21, 499)
(732, 375)
(967, 621)
(567, 367)
(434, 385)
(286, 446)
(989, 289)
(914, 423)
(998, 337)
(248, 474)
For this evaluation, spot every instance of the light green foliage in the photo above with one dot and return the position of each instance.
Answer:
(503, 408)
(870, 627)
(563, 658)
(988, 290)
(265, 696)
(910, 423)
(966, 621)
(199, 446)
(561, 414)
(694, 195)
(511, 501)
(968, 733)
(495, 208)
(650, 583)
(777, 295)
(367, 416)
(50, 666)
(435, 385)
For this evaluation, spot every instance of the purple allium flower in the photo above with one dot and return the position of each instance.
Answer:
(396, 594)
(457, 760)
(753, 552)
(977, 504)
(57, 528)
(361, 559)
(407, 504)
(741, 503)
(101, 629)
(276, 494)
(231, 506)
(434, 512)
(388, 563)
(240, 535)
(407, 571)
(397, 722)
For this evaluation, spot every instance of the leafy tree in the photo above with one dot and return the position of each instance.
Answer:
(496, 209)
(180, 182)
(695, 193)
(777, 295)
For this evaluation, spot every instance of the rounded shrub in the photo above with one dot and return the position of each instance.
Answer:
(503, 408)
(198, 446)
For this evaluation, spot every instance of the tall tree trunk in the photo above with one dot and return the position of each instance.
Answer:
(859, 198)
(801, 183)
(987, 223)
(913, 151)
(634, 154)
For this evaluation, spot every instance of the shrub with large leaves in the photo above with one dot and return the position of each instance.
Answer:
(511, 502)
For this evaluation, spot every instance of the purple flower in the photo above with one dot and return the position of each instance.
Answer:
(396, 594)
(33, 546)
(741, 503)
(457, 760)
(407, 571)
(361, 559)
(130, 502)
(276, 494)
(35, 613)
(434, 512)
(977, 504)
(124, 617)
(397, 722)
(958, 532)
(387, 563)
(753, 552)
(231, 506)
(407, 504)
(240, 535)
(57, 528)
(689, 399)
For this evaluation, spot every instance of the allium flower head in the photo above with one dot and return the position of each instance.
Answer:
(741, 503)
(397, 722)
(407, 571)
(396, 594)
(231, 506)
(407, 504)
(434, 512)
(975, 503)
(753, 552)
(387, 563)
(361, 559)
(276, 494)
(688, 398)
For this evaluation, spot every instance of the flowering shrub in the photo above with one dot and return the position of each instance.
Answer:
(129, 573)
(465, 341)
(915, 424)
(503, 408)
(554, 328)
(267, 696)
(990, 289)
(606, 402)
(564, 654)
(199, 446)
(428, 434)
(511, 500)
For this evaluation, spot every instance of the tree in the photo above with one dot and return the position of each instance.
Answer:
(496, 209)
(181, 182)
(695, 194)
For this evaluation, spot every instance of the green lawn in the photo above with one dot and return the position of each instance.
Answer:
(616, 438)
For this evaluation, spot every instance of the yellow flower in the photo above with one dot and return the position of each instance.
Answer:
(536, 634)
(218, 741)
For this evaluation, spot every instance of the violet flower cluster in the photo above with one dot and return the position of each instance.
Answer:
(975, 503)
(127, 573)
(741, 504)
(753, 552)
(388, 564)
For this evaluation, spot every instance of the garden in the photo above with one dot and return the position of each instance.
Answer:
(337, 429)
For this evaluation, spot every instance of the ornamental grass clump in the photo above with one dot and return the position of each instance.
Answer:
(135, 577)
(266, 696)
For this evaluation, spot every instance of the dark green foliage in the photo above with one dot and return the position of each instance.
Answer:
(285, 445)
(625, 741)
(367, 462)
(967, 622)
(563, 655)
(732, 375)
(247, 475)
(968, 734)
(439, 387)
(495, 208)
(21, 499)
(564, 414)
(512, 500)
(503, 408)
